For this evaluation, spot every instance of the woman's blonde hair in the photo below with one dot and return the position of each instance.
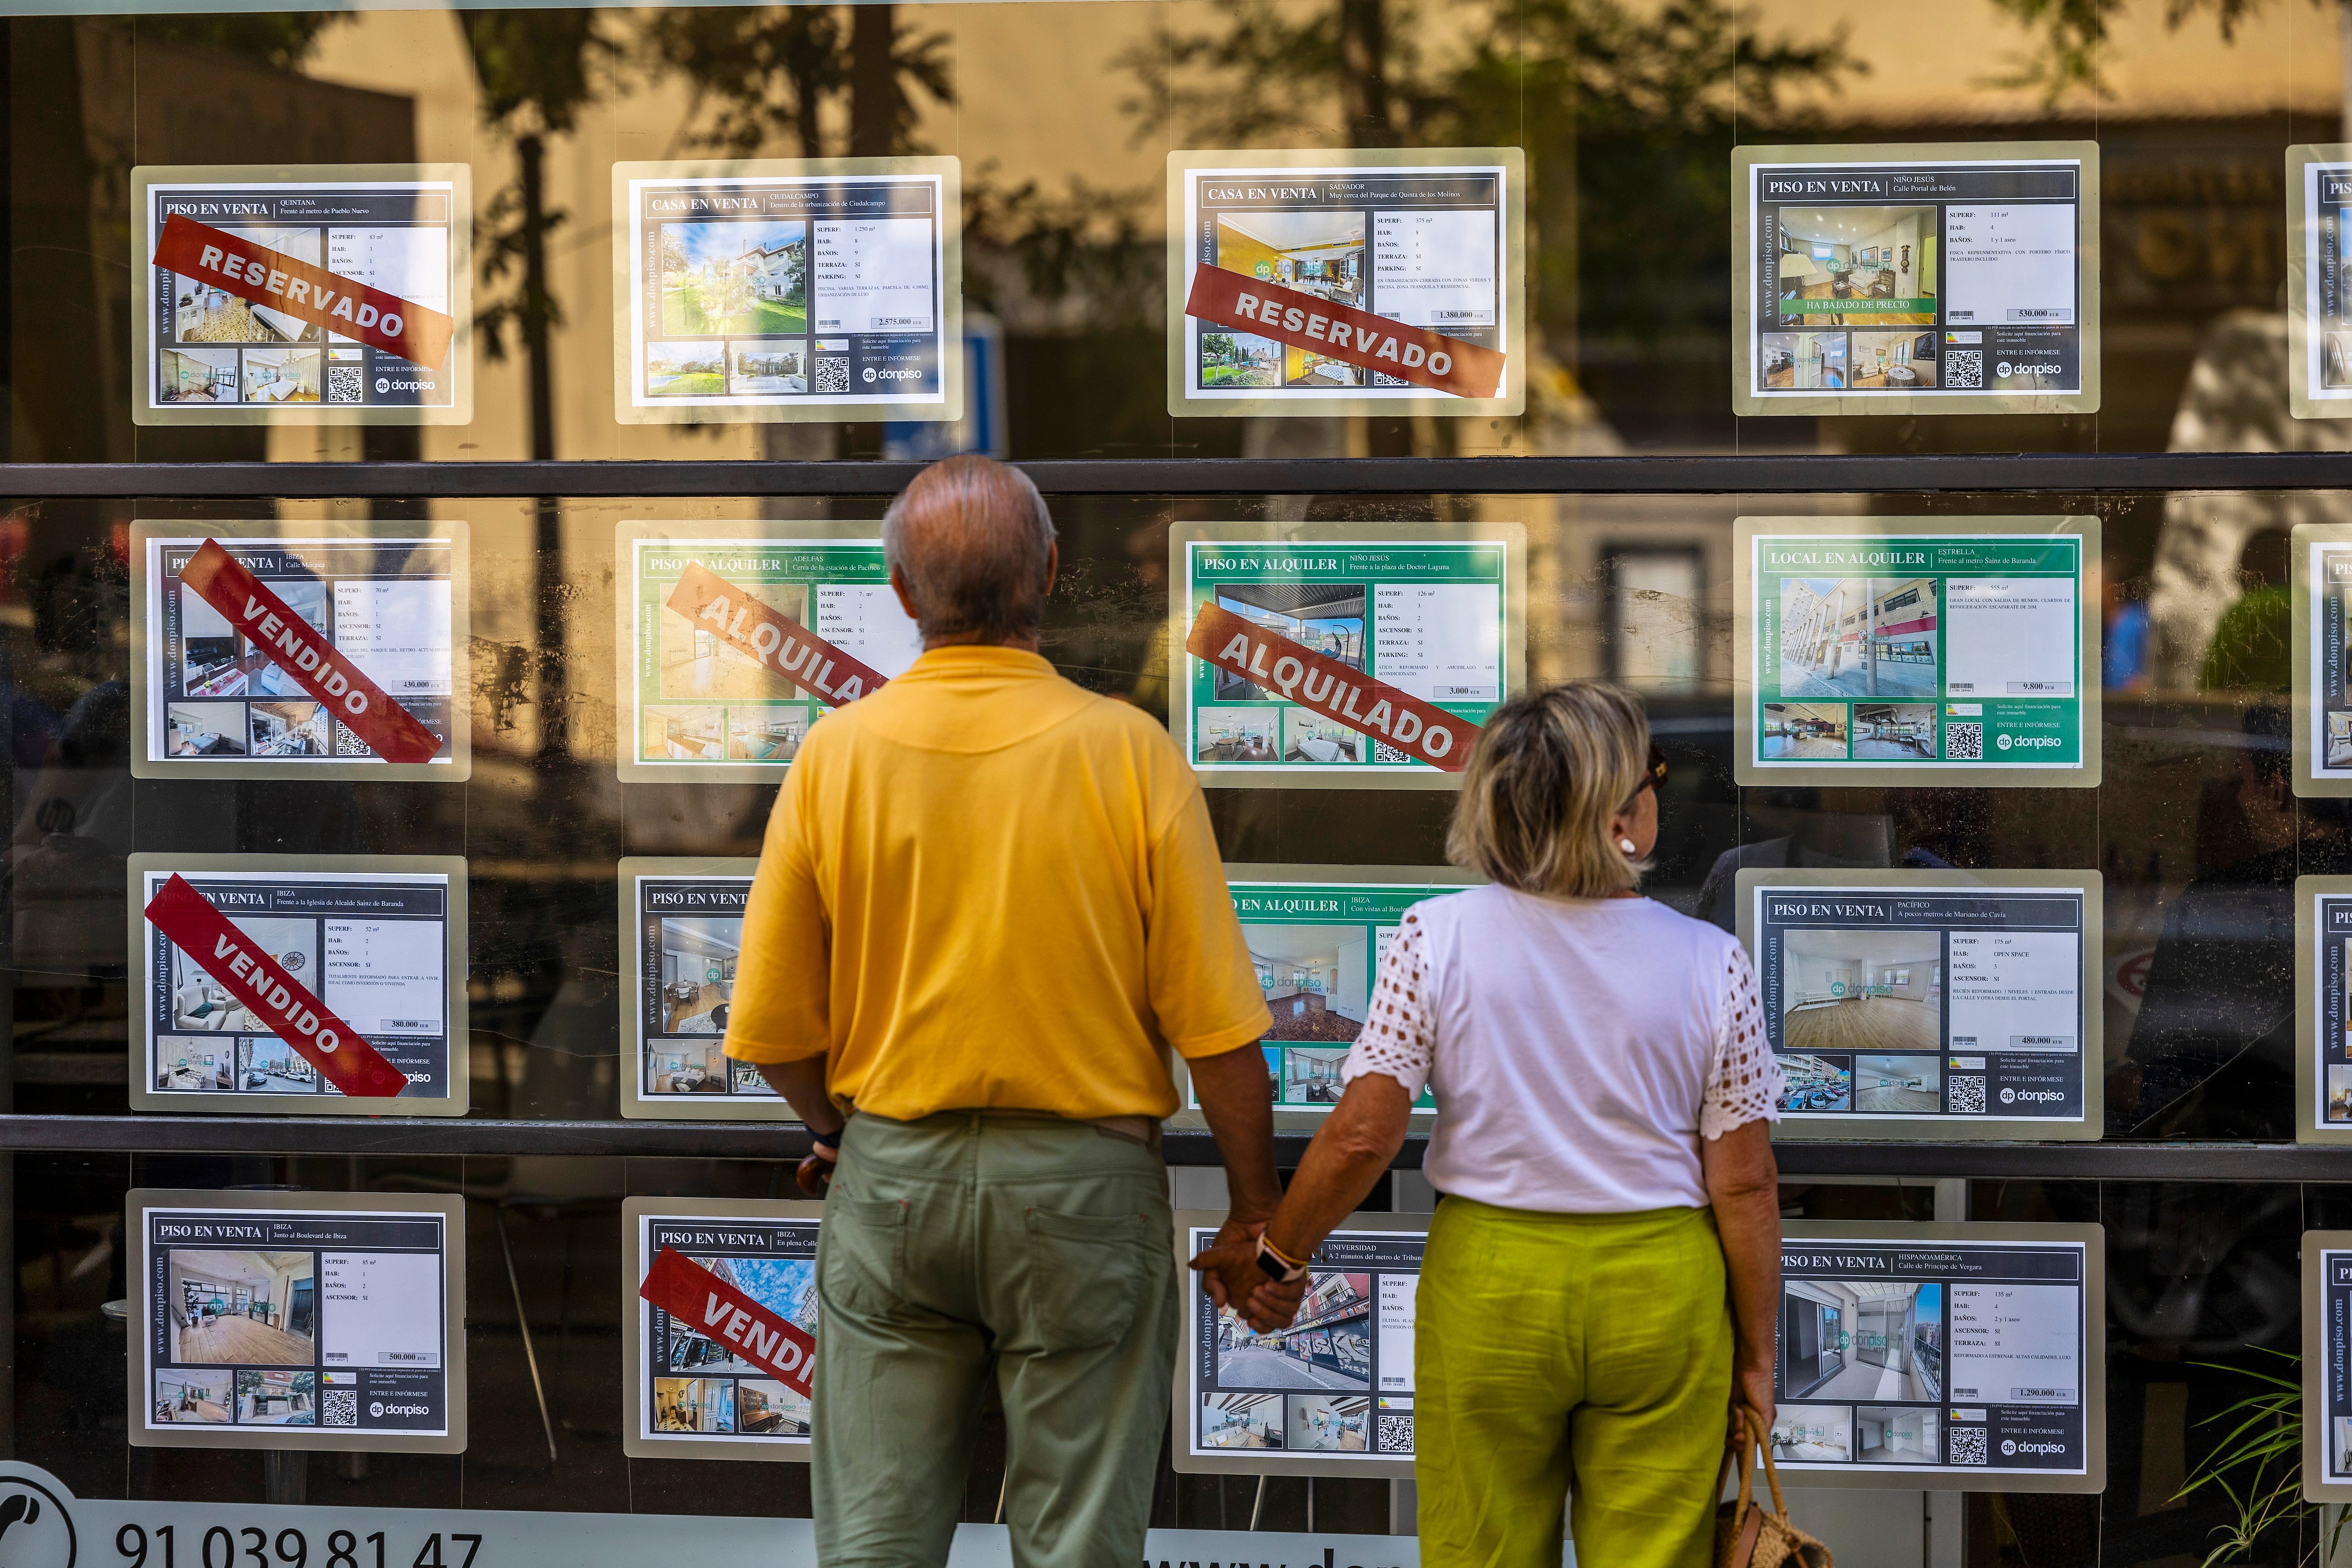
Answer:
(1552, 768)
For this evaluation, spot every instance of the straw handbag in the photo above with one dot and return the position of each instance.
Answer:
(1746, 1534)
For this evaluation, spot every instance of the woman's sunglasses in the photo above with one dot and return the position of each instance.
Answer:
(1652, 777)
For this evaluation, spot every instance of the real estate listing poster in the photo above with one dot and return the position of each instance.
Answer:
(2323, 972)
(1916, 279)
(783, 290)
(297, 1320)
(702, 702)
(681, 929)
(2328, 1366)
(1931, 1005)
(379, 940)
(1952, 1357)
(690, 1395)
(207, 356)
(221, 693)
(1332, 1394)
(1317, 935)
(1907, 651)
(1428, 239)
(2322, 684)
(2319, 313)
(1436, 612)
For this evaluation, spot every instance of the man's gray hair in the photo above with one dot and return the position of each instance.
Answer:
(968, 539)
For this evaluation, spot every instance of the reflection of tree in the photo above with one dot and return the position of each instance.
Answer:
(768, 71)
(1625, 113)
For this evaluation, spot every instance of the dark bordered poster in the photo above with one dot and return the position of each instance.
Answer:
(681, 936)
(1950, 1357)
(1931, 1005)
(297, 1320)
(1331, 1395)
(688, 1396)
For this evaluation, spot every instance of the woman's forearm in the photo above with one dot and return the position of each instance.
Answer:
(1342, 1163)
(1743, 1187)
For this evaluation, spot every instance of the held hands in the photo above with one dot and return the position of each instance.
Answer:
(1229, 1272)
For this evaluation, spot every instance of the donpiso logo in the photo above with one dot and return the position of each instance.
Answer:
(2008, 1448)
(2003, 742)
(35, 1527)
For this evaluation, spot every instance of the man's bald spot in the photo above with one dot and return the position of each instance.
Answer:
(968, 539)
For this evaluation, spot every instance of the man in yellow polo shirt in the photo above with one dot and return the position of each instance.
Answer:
(988, 904)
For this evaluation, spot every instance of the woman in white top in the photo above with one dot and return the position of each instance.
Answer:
(1603, 1270)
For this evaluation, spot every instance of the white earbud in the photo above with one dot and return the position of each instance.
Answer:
(1626, 845)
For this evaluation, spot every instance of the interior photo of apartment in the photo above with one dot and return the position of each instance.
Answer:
(202, 1004)
(1311, 737)
(2339, 1093)
(1241, 1421)
(698, 666)
(1861, 990)
(1831, 255)
(1328, 617)
(1861, 1339)
(1828, 650)
(694, 1069)
(283, 375)
(204, 729)
(1317, 979)
(1235, 735)
(277, 1399)
(1306, 367)
(697, 973)
(255, 1309)
(2335, 360)
(1814, 1434)
(1898, 361)
(1817, 1083)
(209, 648)
(197, 375)
(1897, 732)
(1904, 1084)
(2341, 1443)
(1894, 1436)
(694, 1405)
(207, 1066)
(1803, 731)
(761, 734)
(267, 1065)
(1320, 1423)
(1315, 252)
(766, 1408)
(202, 1398)
(685, 734)
(290, 729)
(1802, 361)
(1310, 1075)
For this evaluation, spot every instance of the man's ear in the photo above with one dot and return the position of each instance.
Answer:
(1053, 565)
(906, 600)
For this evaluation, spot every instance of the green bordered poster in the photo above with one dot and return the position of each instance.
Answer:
(2322, 651)
(1317, 935)
(1435, 610)
(694, 706)
(1895, 650)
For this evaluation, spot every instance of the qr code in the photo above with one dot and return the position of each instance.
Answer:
(1384, 753)
(1968, 1447)
(1964, 743)
(1396, 1432)
(346, 384)
(833, 375)
(1964, 370)
(339, 1407)
(1968, 1095)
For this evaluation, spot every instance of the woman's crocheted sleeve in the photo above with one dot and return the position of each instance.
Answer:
(1743, 1080)
(1399, 1033)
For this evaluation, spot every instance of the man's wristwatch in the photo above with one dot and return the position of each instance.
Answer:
(1277, 1267)
(828, 1141)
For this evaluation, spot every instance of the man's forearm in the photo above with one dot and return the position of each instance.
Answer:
(1237, 1100)
(802, 1083)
